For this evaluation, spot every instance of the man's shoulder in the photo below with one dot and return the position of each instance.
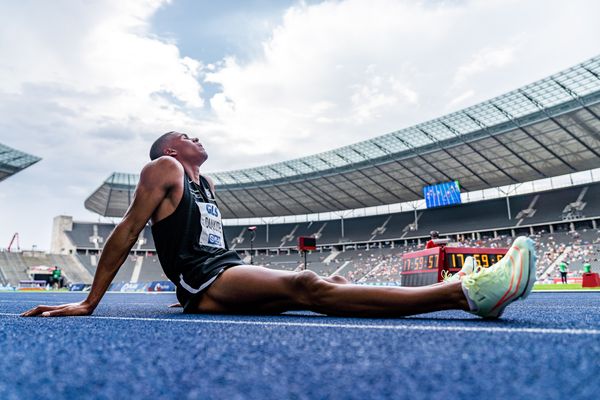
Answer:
(163, 169)
(163, 164)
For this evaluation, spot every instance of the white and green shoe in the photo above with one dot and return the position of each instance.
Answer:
(490, 290)
(468, 268)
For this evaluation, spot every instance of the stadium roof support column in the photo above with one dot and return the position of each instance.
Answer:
(508, 207)
(415, 206)
(342, 230)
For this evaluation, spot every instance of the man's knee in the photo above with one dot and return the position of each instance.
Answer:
(311, 289)
(340, 280)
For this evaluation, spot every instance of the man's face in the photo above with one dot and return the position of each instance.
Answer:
(187, 148)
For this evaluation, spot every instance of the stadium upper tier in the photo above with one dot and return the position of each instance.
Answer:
(13, 161)
(540, 211)
(548, 128)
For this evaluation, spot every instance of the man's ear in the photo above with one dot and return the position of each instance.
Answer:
(170, 152)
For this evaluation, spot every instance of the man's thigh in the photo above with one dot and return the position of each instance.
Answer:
(251, 289)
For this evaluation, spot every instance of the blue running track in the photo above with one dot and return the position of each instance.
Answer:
(134, 347)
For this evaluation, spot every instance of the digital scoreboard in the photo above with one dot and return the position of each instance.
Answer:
(425, 267)
(421, 267)
(442, 194)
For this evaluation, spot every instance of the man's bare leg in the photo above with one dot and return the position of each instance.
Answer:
(338, 279)
(256, 290)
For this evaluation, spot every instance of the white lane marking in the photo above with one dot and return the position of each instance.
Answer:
(30, 301)
(62, 302)
(543, 306)
(543, 331)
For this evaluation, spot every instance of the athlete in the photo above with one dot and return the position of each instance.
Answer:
(187, 228)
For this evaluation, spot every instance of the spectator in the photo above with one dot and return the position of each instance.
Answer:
(563, 271)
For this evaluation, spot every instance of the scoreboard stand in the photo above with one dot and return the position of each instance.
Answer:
(425, 267)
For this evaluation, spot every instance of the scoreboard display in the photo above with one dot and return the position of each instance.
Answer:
(442, 194)
(421, 267)
(455, 257)
(425, 267)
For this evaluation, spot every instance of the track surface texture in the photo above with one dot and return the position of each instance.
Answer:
(135, 347)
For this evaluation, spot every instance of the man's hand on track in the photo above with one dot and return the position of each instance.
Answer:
(63, 310)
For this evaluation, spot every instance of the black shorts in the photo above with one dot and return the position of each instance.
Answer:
(563, 274)
(192, 286)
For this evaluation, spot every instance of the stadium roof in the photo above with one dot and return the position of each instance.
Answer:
(13, 161)
(548, 128)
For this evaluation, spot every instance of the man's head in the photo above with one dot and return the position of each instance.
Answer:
(179, 146)
(159, 145)
(434, 234)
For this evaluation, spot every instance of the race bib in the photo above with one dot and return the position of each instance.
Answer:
(212, 227)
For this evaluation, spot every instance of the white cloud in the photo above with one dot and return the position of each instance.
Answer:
(460, 99)
(86, 86)
(383, 65)
(483, 61)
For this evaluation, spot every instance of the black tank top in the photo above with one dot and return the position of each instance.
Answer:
(190, 242)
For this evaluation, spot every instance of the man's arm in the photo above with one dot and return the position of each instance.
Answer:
(156, 179)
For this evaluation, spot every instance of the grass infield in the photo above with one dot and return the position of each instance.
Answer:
(560, 286)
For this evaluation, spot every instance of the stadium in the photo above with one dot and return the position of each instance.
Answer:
(526, 163)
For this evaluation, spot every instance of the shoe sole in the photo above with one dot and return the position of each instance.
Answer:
(530, 280)
(532, 270)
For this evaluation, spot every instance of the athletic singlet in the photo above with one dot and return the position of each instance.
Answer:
(191, 243)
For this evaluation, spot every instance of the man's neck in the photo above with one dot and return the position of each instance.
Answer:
(193, 171)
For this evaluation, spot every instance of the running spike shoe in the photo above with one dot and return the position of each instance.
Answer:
(490, 290)
(468, 268)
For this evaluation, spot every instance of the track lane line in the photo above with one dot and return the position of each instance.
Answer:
(63, 302)
(543, 331)
(529, 305)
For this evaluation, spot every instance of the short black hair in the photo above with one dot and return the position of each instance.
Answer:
(159, 145)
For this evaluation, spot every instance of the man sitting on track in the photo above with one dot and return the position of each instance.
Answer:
(210, 278)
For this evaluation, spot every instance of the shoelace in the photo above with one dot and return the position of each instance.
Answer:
(482, 275)
(446, 275)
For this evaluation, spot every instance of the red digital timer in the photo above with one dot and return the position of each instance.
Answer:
(425, 267)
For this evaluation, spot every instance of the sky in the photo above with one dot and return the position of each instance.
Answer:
(89, 85)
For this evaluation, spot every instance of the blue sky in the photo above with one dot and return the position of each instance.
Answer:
(87, 86)
(208, 30)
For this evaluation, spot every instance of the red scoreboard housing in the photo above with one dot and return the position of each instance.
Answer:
(425, 267)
